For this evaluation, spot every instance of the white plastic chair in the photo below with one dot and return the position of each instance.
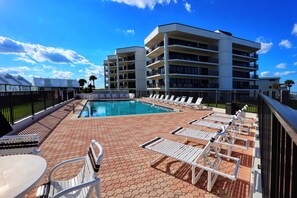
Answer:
(80, 186)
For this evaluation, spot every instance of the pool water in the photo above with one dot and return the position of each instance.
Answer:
(119, 108)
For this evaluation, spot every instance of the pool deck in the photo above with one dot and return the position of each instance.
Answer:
(125, 171)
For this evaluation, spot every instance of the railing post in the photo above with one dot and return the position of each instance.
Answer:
(44, 100)
(11, 108)
(32, 103)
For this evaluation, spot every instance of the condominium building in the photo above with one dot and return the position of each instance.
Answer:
(266, 86)
(126, 70)
(182, 57)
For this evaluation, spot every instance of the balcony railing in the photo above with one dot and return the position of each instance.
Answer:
(180, 85)
(155, 86)
(245, 87)
(154, 47)
(192, 44)
(244, 64)
(161, 57)
(127, 58)
(278, 148)
(241, 53)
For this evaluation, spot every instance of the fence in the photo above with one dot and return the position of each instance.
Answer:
(278, 144)
(18, 105)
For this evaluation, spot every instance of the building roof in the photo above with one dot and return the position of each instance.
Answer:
(7, 79)
(53, 82)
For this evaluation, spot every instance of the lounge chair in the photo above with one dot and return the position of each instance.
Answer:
(160, 99)
(228, 139)
(189, 101)
(152, 97)
(114, 96)
(166, 98)
(193, 156)
(235, 125)
(101, 96)
(174, 101)
(19, 144)
(80, 186)
(170, 100)
(182, 100)
(108, 96)
(197, 104)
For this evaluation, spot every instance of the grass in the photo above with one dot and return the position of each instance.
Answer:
(24, 110)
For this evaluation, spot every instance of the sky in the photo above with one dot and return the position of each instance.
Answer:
(71, 38)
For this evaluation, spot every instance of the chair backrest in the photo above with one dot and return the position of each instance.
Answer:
(177, 99)
(19, 144)
(171, 98)
(92, 163)
(166, 97)
(183, 99)
(151, 96)
(198, 101)
(189, 100)
(161, 97)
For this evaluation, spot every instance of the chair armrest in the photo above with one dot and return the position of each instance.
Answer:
(80, 186)
(63, 163)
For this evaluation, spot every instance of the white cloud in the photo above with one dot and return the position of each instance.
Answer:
(95, 70)
(25, 59)
(144, 3)
(281, 66)
(285, 43)
(265, 46)
(61, 74)
(188, 7)
(295, 64)
(294, 31)
(40, 53)
(131, 32)
(284, 73)
(265, 73)
(14, 70)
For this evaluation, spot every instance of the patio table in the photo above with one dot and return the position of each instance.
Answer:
(20, 173)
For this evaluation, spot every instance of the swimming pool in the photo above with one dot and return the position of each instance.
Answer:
(119, 108)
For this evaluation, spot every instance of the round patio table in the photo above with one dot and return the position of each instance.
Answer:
(20, 173)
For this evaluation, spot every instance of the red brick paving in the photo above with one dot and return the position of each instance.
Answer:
(124, 171)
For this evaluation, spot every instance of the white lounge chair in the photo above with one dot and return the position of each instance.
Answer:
(193, 156)
(182, 100)
(166, 98)
(160, 99)
(170, 100)
(197, 104)
(19, 144)
(174, 101)
(189, 101)
(228, 139)
(80, 186)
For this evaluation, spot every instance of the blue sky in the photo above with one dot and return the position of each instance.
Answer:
(71, 38)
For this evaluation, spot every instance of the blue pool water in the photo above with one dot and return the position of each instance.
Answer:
(118, 108)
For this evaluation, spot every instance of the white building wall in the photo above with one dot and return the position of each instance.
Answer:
(225, 62)
(140, 69)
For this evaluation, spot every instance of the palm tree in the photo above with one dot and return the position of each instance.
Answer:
(82, 82)
(289, 83)
(93, 78)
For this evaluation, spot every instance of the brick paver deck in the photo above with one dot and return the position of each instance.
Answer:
(124, 171)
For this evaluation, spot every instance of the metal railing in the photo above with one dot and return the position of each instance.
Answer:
(278, 144)
(18, 105)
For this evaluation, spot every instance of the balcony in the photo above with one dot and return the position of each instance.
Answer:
(127, 58)
(251, 65)
(159, 58)
(154, 47)
(245, 87)
(191, 57)
(245, 54)
(187, 86)
(192, 44)
(160, 86)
